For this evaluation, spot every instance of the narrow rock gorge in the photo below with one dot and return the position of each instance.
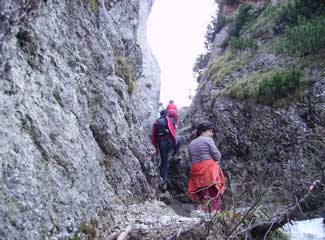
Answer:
(79, 93)
(262, 84)
(79, 90)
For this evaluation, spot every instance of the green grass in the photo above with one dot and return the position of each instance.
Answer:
(268, 87)
(246, 88)
(242, 43)
(225, 65)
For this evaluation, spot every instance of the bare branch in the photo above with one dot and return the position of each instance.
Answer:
(307, 203)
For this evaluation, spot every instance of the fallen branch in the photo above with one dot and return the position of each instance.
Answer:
(121, 235)
(307, 203)
(246, 214)
(126, 232)
(113, 236)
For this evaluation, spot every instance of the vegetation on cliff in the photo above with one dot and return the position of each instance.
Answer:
(293, 29)
(126, 70)
(261, 82)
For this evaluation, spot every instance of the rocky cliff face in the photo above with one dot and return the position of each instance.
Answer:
(79, 90)
(269, 140)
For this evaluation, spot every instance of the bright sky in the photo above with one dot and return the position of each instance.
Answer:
(176, 30)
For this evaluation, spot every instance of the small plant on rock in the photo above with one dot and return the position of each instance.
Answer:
(279, 85)
(126, 70)
(93, 5)
(242, 44)
(86, 231)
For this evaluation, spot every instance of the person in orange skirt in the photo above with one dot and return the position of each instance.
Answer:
(207, 182)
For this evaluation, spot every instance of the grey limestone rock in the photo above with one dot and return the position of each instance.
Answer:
(74, 127)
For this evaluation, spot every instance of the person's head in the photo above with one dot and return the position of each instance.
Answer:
(160, 104)
(205, 128)
(171, 101)
(163, 113)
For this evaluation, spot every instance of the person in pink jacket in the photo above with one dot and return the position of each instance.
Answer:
(172, 112)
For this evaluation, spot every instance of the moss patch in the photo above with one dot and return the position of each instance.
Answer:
(126, 70)
(93, 5)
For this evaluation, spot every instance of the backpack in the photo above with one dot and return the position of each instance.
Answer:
(161, 127)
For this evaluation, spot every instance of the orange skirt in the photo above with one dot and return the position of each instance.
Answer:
(205, 174)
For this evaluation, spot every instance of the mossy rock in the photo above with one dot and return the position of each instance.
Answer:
(93, 5)
(125, 69)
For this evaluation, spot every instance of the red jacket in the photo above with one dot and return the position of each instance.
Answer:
(172, 109)
(205, 174)
(170, 128)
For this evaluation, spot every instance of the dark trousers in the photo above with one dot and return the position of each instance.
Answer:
(178, 144)
(165, 147)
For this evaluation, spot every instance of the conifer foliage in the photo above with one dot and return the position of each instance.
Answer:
(307, 37)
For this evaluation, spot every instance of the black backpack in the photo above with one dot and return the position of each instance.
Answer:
(161, 127)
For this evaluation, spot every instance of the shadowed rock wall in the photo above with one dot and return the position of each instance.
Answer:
(78, 92)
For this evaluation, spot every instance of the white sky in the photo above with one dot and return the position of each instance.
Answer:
(176, 30)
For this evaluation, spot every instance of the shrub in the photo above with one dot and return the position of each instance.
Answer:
(201, 62)
(242, 43)
(241, 18)
(279, 85)
(213, 28)
(290, 13)
(229, 2)
(305, 38)
(277, 18)
(240, 22)
(271, 87)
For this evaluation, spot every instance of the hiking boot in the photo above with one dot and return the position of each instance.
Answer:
(163, 187)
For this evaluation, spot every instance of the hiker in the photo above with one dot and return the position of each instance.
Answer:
(207, 182)
(172, 112)
(160, 108)
(164, 139)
